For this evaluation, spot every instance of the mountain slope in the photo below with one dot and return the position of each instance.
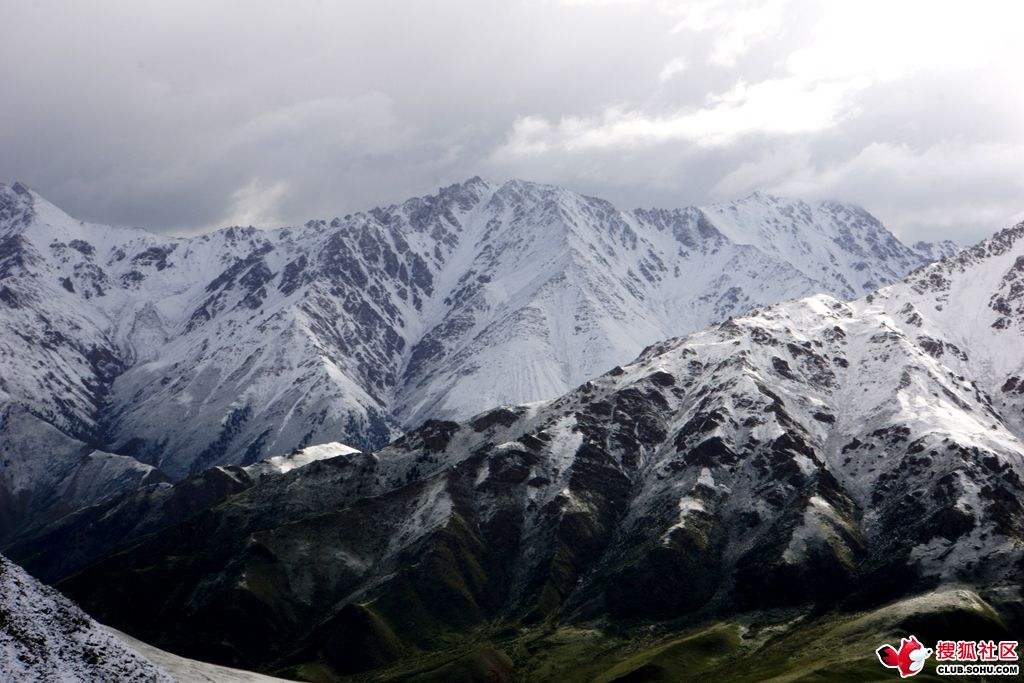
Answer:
(565, 286)
(813, 454)
(43, 636)
(45, 474)
(189, 670)
(57, 546)
(355, 328)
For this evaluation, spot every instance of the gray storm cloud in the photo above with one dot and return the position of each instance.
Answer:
(182, 117)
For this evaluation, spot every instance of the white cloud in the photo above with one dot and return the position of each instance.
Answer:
(737, 24)
(672, 69)
(815, 90)
(321, 108)
(784, 106)
(854, 46)
(765, 171)
(598, 3)
(360, 124)
(943, 165)
(257, 204)
(884, 40)
(948, 188)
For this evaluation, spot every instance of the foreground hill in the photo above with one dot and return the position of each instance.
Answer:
(44, 637)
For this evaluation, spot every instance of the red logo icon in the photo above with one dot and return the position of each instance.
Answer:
(908, 659)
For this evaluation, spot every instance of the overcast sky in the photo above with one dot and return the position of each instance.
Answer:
(179, 117)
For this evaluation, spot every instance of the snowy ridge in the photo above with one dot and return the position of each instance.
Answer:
(282, 464)
(358, 327)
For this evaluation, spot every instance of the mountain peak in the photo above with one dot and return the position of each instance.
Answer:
(457, 196)
(764, 197)
(471, 186)
(527, 190)
(937, 251)
(753, 458)
(17, 205)
(20, 188)
(474, 182)
(520, 186)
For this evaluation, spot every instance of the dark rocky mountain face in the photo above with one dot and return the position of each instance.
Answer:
(813, 466)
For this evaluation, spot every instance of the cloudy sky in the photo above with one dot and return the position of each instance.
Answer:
(183, 116)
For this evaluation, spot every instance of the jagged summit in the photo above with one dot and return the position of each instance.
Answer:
(16, 206)
(18, 188)
(936, 251)
(759, 196)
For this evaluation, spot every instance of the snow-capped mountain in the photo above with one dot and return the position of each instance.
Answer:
(357, 327)
(812, 453)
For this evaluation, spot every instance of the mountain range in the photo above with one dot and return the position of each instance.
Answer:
(358, 328)
(766, 496)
